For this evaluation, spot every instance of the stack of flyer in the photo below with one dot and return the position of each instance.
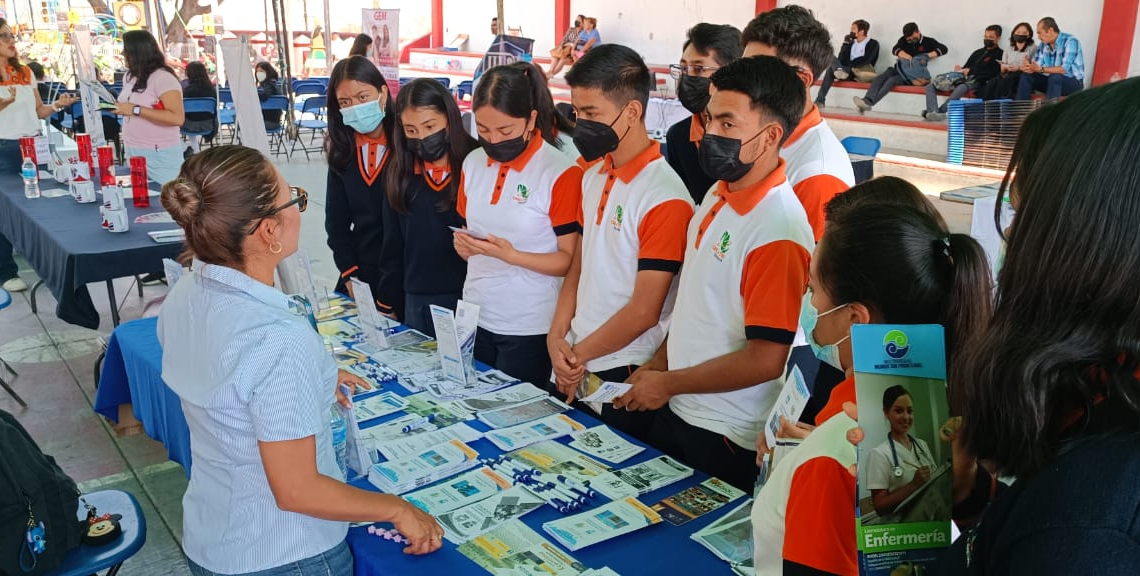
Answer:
(730, 538)
(641, 478)
(601, 524)
(424, 468)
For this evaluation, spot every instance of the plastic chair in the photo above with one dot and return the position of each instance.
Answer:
(445, 81)
(307, 90)
(5, 300)
(70, 114)
(203, 106)
(314, 105)
(862, 146)
(276, 133)
(86, 560)
(464, 88)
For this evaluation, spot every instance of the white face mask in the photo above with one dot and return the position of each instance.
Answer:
(261, 76)
(809, 316)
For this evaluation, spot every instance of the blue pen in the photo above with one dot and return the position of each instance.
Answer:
(416, 425)
(572, 483)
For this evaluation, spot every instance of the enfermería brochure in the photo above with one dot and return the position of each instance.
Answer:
(904, 467)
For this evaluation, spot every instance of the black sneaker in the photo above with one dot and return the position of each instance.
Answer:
(152, 279)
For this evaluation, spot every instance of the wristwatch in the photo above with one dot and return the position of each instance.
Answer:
(136, 110)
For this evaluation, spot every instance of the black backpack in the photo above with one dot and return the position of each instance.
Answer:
(33, 489)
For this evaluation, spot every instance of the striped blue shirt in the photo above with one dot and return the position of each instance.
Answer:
(248, 370)
(1065, 52)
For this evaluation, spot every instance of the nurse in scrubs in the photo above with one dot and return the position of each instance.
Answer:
(902, 465)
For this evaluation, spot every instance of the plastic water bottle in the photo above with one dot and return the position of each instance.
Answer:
(31, 179)
(340, 440)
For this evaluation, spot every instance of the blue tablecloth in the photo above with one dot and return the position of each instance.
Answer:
(132, 374)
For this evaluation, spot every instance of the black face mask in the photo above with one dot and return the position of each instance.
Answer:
(430, 148)
(504, 151)
(989, 44)
(914, 41)
(720, 157)
(596, 139)
(693, 92)
(1020, 38)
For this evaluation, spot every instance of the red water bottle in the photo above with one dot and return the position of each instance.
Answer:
(139, 182)
(83, 142)
(106, 166)
(28, 149)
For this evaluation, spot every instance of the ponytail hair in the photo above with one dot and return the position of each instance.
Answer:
(517, 89)
(906, 269)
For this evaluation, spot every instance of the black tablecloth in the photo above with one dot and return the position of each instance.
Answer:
(68, 248)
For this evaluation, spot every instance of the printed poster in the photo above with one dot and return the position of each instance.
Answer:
(384, 28)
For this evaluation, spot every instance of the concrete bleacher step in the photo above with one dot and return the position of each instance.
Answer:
(897, 131)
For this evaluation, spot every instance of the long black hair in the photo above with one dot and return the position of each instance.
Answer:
(905, 268)
(360, 45)
(196, 75)
(340, 145)
(1028, 43)
(882, 190)
(425, 93)
(517, 89)
(142, 57)
(271, 74)
(1059, 360)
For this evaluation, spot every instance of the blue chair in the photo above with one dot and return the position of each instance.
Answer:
(464, 88)
(862, 146)
(276, 133)
(200, 106)
(445, 81)
(86, 560)
(314, 105)
(404, 81)
(69, 115)
(5, 300)
(307, 90)
(227, 116)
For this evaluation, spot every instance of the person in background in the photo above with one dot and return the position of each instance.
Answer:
(1048, 390)
(21, 110)
(818, 166)
(361, 45)
(746, 268)
(495, 26)
(268, 84)
(706, 49)
(901, 465)
(1021, 48)
(857, 59)
(40, 76)
(357, 149)
(257, 385)
(614, 308)
(911, 45)
(521, 198)
(417, 255)
(565, 48)
(884, 259)
(151, 107)
(983, 65)
(198, 85)
(588, 37)
(1058, 66)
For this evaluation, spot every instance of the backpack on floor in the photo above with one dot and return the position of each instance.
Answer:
(38, 504)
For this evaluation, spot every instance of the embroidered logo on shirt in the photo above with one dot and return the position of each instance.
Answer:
(720, 249)
(522, 194)
(619, 215)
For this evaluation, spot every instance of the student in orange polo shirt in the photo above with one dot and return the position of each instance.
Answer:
(521, 196)
(707, 48)
(615, 305)
(818, 165)
(746, 266)
(892, 263)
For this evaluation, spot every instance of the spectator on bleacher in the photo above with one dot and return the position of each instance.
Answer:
(1021, 48)
(495, 26)
(198, 85)
(857, 59)
(708, 47)
(1058, 67)
(267, 85)
(588, 37)
(910, 46)
(361, 45)
(818, 166)
(565, 48)
(981, 67)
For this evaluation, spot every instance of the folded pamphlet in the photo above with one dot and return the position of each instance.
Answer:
(502, 398)
(641, 478)
(602, 442)
(601, 524)
(472, 520)
(533, 432)
(408, 444)
(513, 549)
(429, 466)
(554, 458)
(377, 406)
(697, 501)
(525, 412)
(730, 537)
(457, 492)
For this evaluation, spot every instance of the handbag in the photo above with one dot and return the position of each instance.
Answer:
(948, 81)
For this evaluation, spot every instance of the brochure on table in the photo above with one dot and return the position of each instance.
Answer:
(908, 364)
(514, 549)
(472, 520)
(534, 432)
(601, 524)
(459, 491)
(432, 465)
(602, 442)
(375, 328)
(455, 337)
(730, 537)
(696, 501)
(641, 478)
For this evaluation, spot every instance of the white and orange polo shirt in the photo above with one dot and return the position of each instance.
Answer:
(530, 201)
(633, 218)
(746, 271)
(818, 166)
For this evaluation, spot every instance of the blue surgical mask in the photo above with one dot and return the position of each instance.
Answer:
(364, 118)
(809, 316)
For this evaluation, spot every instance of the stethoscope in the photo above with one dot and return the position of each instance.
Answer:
(894, 454)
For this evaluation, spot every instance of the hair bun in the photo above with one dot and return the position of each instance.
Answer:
(183, 200)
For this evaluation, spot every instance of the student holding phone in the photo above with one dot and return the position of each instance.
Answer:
(524, 195)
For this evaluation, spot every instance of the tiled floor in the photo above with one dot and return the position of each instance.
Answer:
(55, 361)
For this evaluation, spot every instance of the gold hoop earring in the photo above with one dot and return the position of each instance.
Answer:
(277, 250)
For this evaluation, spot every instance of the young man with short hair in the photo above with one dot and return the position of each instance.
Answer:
(614, 308)
(857, 59)
(818, 165)
(746, 269)
(707, 48)
(983, 65)
(1058, 68)
(911, 45)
